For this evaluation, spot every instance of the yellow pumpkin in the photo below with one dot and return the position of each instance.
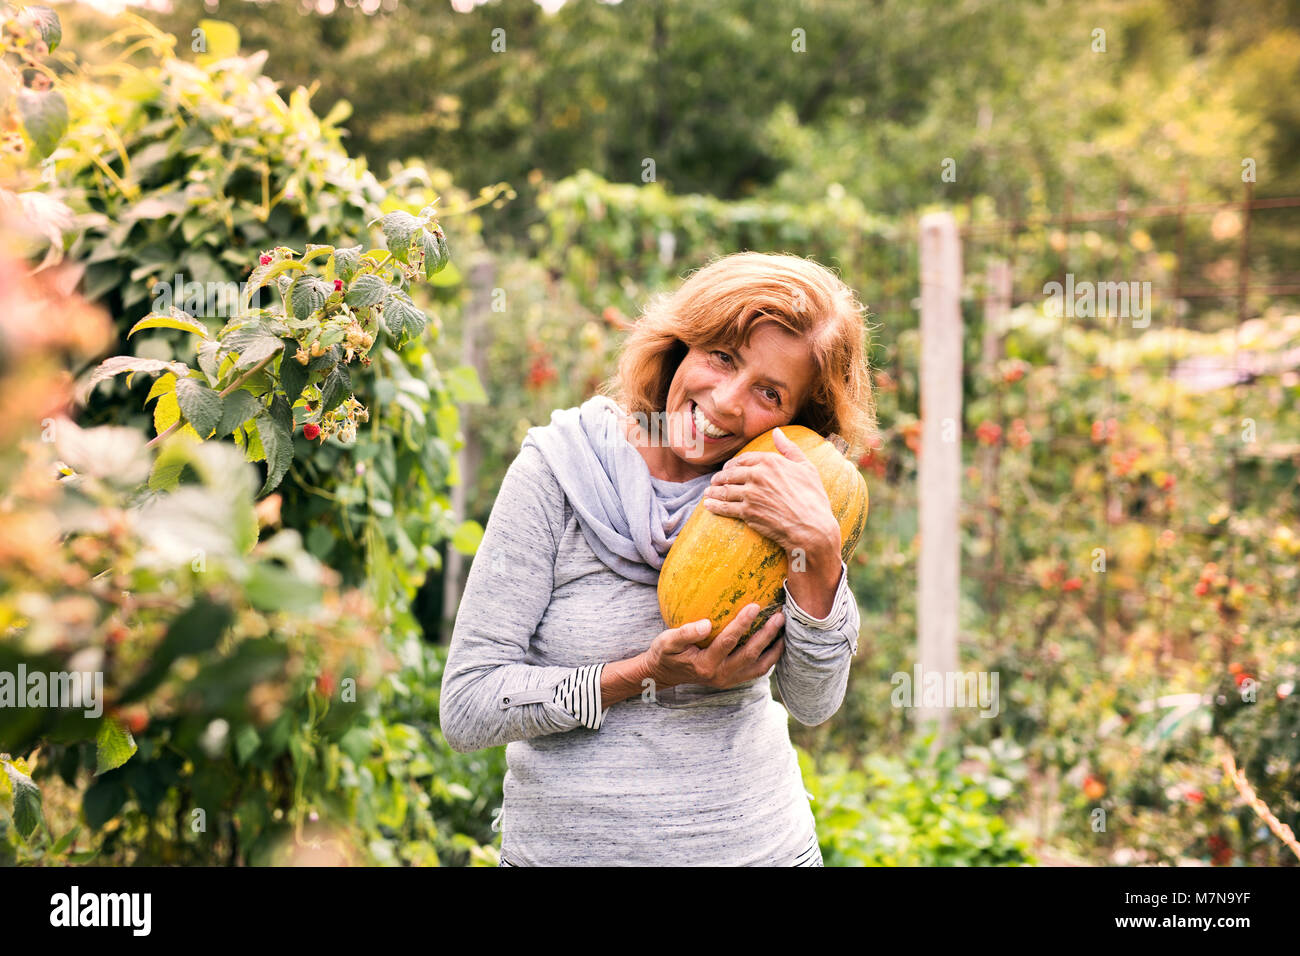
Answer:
(718, 564)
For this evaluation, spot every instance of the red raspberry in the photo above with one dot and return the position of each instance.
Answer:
(135, 718)
(311, 431)
(1072, 585)
(264, 259)
(541, 372)
(338, 285)
(988, 433)
(1104, 430)
(1020, 437)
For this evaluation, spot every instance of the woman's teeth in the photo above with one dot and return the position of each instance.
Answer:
(703, 425)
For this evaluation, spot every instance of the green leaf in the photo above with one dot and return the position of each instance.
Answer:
(252, 660)
(464, 385)
(100, 279)
(276, 588)
(307, 295)
(65, 841)
(467, 537)
(366, 290)
(336, 386)
(435, 251)
(197, 629)
(163, 205)
(320, 541)
(191, 226)
(246, 743)
(253, 345)
(278, 443)
(253, 449)
(293, 374)
(412, 407)
(347, 261)
(282, 413)
(400, 315)
(167, 412)
(46, 22)
(221, 39)
(340, 111)
(102, 802)
(174, 319)
(416, 387)
(114, 746)
(161, 386)
(399, 229)
(315, 249)
(262, 275)
(200, 405)
(447, 420)
(171, 462)
(236, 408)
(45, 117)
(127, 363)
(27, 800)
(208, 360)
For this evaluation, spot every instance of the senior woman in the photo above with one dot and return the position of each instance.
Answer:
(628, 744)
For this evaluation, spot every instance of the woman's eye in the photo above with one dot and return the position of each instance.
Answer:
(723, 355)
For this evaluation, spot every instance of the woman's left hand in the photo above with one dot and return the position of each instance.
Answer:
(779, 496)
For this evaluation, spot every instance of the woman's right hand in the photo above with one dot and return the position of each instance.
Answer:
(674, 657)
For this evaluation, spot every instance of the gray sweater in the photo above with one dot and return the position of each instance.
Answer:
(688, 775)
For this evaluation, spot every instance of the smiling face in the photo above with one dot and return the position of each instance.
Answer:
(740, 391)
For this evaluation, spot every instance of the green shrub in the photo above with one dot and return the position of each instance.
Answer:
(911, 810)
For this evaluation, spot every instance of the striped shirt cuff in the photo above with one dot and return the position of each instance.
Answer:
(839, 612)
(579, 694)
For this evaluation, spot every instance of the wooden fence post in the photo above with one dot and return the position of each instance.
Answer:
(939, 484)
(482, 278)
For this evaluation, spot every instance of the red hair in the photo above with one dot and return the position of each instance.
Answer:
(723, 302)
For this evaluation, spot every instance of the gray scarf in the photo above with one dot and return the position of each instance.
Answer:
(629, 517)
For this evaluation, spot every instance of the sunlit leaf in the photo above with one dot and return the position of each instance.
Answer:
(174, 319)
(114, 745)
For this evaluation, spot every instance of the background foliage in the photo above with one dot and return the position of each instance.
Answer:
(605, 152)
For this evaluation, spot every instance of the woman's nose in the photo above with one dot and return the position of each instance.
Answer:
(727, 400)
